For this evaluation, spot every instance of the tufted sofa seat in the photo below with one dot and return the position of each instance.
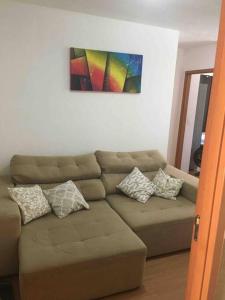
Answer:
(164, 226)
(83, 256)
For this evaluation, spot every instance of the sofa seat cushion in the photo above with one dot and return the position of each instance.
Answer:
(164, 225)
(87, 255)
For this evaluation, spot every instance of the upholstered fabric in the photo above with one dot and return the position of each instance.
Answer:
(110, 181)
(87, 255)
(92, 246)
(137, 186)
(124, 162)
(31, 201)
(163, 225)
(53, 169)
(166, 186)
(91, 189)
(10, 228)
(65, 198)
(190, 185)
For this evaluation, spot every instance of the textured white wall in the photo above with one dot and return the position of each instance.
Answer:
(39, 115)
(193, 58)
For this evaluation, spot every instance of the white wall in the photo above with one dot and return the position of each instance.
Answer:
(192, 58)
(190, 122)
(38, 112)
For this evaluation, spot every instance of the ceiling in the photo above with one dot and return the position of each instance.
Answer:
(197, 20)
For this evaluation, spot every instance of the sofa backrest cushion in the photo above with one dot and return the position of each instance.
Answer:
(124, 162)
(91, 189)
(53, 169)
(117, 165)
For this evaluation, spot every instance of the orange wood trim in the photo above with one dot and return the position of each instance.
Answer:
(183, 114)
(217, 226)
(216, 233)
(211, 70)
(204, 258)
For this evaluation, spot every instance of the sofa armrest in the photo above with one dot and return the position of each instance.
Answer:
(190, 186)
(10, 228)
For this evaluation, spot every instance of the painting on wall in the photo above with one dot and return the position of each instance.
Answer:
(94, 70)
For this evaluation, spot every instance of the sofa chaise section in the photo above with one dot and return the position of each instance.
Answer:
(87, 255)
(163, 225)
(84, 256)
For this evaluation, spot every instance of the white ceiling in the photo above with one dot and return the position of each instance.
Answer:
(197, 20)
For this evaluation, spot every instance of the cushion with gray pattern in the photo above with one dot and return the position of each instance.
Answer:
(166, 186)
(137, 186)
(65, 198)
(31, 201)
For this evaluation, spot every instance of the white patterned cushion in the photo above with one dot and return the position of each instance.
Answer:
(137, 186)
(65, 198)
(31, 201)
(166, 186)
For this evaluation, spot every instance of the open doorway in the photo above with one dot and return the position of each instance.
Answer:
(194, 111)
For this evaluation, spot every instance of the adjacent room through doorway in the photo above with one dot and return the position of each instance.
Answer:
(194, 111)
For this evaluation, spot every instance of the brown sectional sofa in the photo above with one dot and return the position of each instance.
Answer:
(97, 252)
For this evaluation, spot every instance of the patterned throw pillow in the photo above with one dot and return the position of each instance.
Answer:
(65, 198)
(137, 186)
(31, 201)
(167, 186)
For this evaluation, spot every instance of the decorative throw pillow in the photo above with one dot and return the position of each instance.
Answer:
(137, 186)
(31, 201)
(65, 198)
(166, 186)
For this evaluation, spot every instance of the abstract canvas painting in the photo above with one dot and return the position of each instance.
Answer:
(94, 70)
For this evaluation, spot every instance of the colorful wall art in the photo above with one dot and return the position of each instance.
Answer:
(94, 70)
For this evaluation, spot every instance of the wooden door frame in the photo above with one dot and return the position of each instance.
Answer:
(183, 114)
(206, 251)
